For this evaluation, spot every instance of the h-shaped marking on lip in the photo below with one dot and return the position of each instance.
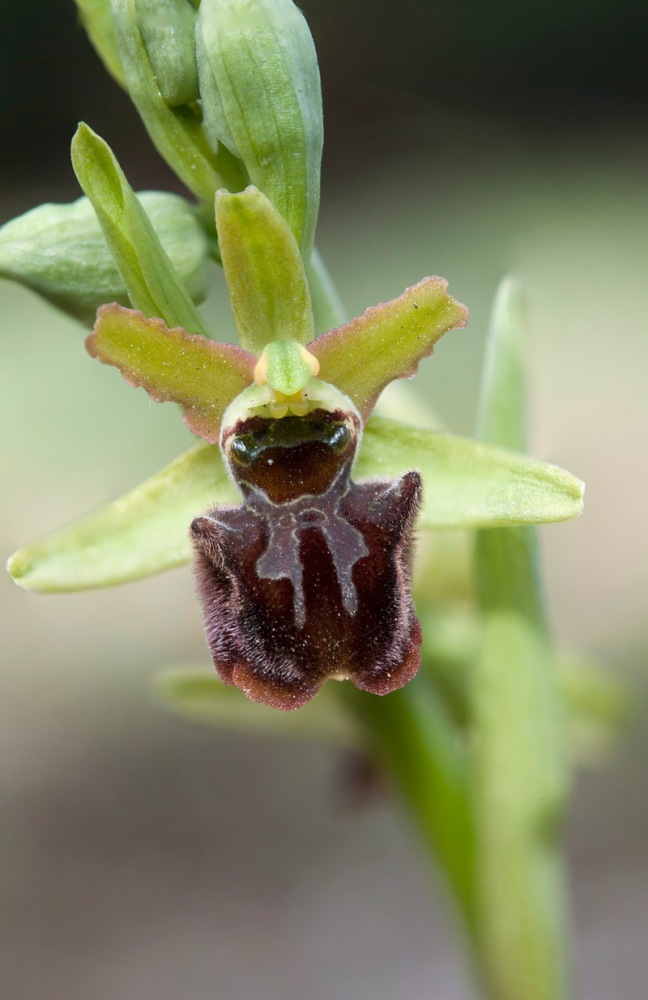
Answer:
(288, 520)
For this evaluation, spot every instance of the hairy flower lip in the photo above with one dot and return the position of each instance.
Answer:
(310, 577)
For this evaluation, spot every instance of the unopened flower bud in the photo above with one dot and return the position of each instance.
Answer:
(60, 252)
(168, 30)
(260, 91)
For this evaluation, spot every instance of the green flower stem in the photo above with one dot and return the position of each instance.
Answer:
(489, 806)
(411, 733)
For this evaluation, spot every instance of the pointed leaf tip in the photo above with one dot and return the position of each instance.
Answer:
(172, 365)
(388, 341)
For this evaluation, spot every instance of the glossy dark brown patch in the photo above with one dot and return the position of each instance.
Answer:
(310, 577)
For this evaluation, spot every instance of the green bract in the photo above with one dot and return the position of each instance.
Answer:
(153, 284)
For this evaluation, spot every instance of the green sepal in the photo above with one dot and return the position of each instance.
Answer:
(97, 19)
(467, 483)
(387, 341)
(264, 271)
(60, 252)
(152, 282)
(200, 696)
(142, 533)
(260, 92)
(168, 30)
(177, 133)
(172, 366)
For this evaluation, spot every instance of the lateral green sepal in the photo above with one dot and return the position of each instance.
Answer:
(143, 533)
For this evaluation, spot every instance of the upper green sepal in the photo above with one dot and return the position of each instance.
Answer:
(261, 98)
(264, 271)
(60, 252)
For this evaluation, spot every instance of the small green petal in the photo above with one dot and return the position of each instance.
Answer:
(143, 533)
(264, 271)
(60, 252)
(200, 696)
(152, 282)
(469, 484)
(172, 366)
(260, 92)
(387, 341)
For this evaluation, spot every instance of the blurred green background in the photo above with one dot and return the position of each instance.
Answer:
(142, 857)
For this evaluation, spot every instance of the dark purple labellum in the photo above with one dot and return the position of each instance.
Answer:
(309, 578)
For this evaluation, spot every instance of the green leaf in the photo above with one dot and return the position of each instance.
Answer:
(172, 366)
(387, 341)
(177, 133)
(97, 19)
(520, 763)
(502, 418)
(200, 696)
(152, 282)
(144, 532)
(260, 91)
(264, 271)
(60, 252)
(468, 483)
(508, 573)
(519, 797)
